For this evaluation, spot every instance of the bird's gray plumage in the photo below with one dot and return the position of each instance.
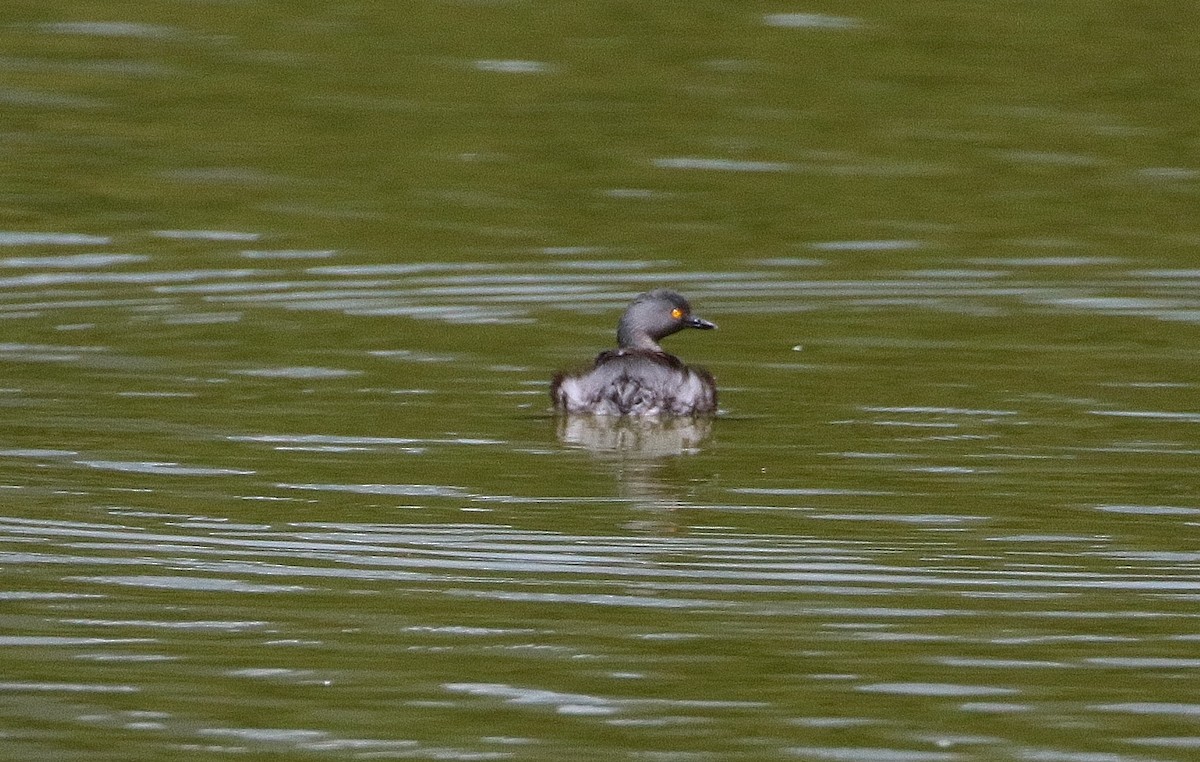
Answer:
(639, 377)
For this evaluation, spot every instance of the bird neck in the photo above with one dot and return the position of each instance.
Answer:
(627, 339)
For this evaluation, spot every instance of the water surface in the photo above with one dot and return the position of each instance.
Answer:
(281, 289)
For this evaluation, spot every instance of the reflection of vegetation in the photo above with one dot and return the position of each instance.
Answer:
(635, 435)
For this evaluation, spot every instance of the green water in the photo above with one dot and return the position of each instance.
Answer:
(282, 286)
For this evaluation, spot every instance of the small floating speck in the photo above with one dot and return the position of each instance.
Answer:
(721, 165)
(512, 66)
(810, 21)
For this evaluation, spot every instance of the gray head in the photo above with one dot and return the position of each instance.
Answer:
(654, 315)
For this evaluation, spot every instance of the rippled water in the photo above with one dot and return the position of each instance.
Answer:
(281, 292)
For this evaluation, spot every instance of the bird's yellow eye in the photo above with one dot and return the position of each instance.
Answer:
(676, 313)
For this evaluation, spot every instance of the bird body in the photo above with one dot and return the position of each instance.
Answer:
(639, 378)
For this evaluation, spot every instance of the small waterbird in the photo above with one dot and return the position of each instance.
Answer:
(639, 377)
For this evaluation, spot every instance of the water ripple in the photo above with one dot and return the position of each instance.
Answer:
(169, 469)
(511, 292)
(14, 238)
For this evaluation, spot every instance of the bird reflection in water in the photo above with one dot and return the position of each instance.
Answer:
(643, 457)
(635, 436)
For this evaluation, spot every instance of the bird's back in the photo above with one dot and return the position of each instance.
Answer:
(636, 382)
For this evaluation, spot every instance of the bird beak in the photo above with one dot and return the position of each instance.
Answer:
(694, 322)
